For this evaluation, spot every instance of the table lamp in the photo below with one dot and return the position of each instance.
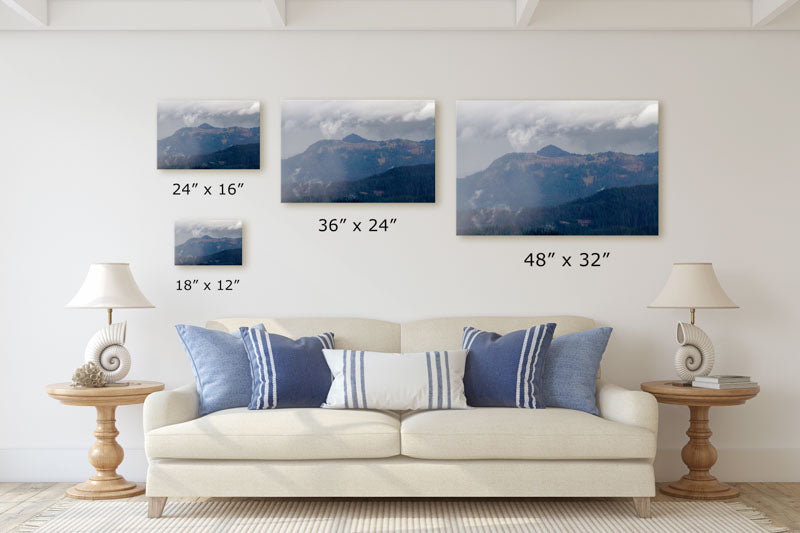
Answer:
(693, 286)
(109, 286)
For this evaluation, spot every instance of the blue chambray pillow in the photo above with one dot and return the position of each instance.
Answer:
(220, 366)
(286, 372)
(506, 371)
(570, 370)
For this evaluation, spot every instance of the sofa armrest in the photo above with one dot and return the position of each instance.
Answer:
(169, 407)
(635, 408)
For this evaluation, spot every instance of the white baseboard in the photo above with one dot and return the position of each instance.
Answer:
(72, 465)
(737, 464)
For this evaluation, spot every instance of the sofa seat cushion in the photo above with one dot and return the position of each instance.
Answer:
(509, 433)
(281, 434)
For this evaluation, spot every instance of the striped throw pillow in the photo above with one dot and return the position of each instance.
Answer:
(286, 372)
(506, 370)
(410, 381)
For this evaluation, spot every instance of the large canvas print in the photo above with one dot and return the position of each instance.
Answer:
(358, 151)
(208, 242)
(557, 168)
(209, 135)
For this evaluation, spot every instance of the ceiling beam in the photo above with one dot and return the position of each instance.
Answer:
(400, 14)
(277, 11)
(765, 11)
(525, 9)
(34, 11)
(527, 15)
(642, 15)
(113, 15)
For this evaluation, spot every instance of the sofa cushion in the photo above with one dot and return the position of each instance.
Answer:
(510, 433)
(506, 370)
(571, 368)
(279, 434)
(397, 381)
(286, 372)
(220, 365)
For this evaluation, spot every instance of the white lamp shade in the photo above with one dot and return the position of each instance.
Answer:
(109, 286)
(693, 286)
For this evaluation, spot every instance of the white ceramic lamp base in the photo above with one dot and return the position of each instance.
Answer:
(106, 349)
(695, 357)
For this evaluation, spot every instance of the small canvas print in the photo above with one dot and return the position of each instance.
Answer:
(358, 151)
(557, 168)
(208, 242)
(209, 134)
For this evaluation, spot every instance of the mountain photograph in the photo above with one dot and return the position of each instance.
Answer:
(209, 135)
(557, 168)
(348, 151)
(208, 242)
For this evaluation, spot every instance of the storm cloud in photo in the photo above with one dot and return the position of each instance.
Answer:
(488, 130)
(174, 115)
(304, 122)
(219, 229)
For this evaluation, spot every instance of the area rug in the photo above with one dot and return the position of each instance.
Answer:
(565, 516)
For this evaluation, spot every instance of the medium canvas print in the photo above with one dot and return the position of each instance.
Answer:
(557, 168)
(358, 151)
(209, 134)
(208, 242)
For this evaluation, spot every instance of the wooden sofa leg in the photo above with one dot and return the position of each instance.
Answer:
(642, 506)
(155, 506)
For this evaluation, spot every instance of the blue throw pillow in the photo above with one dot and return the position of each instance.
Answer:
(506, 371)
(286, 372)
(571, 369)
(220, 365)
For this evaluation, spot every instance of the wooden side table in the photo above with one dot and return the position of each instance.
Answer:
(698, 454)
(106, 454)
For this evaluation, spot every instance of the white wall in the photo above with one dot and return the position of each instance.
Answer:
(77, 158)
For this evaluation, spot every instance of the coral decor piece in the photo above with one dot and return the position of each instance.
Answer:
(89, 375)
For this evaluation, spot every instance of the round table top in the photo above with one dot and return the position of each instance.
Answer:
(674, 392)
(114, 394)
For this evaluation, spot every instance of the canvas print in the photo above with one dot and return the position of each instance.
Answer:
(208, 242)
(209, 135)
(557, 168)
(358, 151)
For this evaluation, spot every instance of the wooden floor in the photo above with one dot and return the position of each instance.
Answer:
(21, 501)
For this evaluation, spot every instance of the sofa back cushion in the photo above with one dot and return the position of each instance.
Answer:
(351, 333)
(447, 333)
(417, 336)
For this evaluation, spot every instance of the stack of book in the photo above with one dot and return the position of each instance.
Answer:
(723, 382)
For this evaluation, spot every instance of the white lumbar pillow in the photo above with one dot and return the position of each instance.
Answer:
(396, 381)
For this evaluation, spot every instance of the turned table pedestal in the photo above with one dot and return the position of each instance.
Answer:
(106, 454)
(698, 454)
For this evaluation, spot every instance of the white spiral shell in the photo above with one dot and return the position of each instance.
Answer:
(106, 350)
(695, 357)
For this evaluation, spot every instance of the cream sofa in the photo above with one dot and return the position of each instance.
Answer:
(480, 452)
